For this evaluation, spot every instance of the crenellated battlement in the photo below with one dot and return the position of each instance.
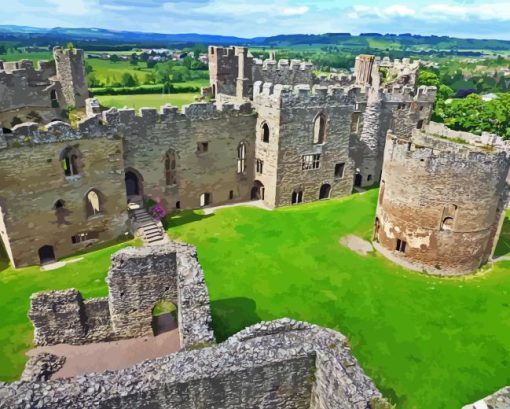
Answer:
(291, 65)
(12, 71)
(111, 123)
(283, 95)
(425, 146)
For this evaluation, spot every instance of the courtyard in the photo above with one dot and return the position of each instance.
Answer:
(426, 342)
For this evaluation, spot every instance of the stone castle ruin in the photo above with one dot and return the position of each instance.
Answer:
(442, 199)
(138, 280)
(281, 364)
(28, 93)
(274, 132)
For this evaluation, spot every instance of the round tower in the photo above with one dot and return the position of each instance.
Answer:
(441, 203)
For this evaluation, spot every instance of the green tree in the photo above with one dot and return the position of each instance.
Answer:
(127, 80)
(114, 58)
(428, 78)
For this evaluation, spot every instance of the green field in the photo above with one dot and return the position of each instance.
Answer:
(146, 100)
(109, 72)
(428, 343)
(27, 56)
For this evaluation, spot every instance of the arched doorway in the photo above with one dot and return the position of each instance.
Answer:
(358, 180)
(164, 317)
(325, 191)
(134, 185)
(257, 191)
(46, 254)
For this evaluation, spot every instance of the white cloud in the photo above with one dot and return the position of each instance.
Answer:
(74, 8)
(295, 11)
(241, 8)
(432, 12)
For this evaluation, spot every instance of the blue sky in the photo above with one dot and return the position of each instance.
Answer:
(250, 18)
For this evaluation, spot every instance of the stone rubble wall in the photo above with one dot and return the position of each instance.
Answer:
(499, 400)
(41, 367)
(138, 279)
(274, 365)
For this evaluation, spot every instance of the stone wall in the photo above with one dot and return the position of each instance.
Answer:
(281, 365)
(33, 180)
(42, 93)
(444, 200)
(138, 279)
(70, 65)
(291, 114)
(499, 400)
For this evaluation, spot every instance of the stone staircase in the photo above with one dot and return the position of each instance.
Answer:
(149, 230)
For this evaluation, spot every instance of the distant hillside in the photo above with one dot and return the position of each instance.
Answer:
(97, 38)
(92, 37)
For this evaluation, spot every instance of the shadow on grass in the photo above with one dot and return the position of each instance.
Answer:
(184, 217)
(231, 315)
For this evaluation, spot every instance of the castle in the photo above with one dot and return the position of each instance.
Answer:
(44, 93)
(276, 132)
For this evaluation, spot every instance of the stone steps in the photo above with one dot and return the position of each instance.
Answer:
(148, 228)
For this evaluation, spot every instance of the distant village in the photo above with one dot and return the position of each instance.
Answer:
(152, 54)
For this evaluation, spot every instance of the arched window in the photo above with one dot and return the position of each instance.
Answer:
(59, 204)
(69, 159)
(241, 158)
(325, 191)
(297, 197)
(319, 129)
(170, 165)
(93, 203)
(447, 224)
(265, 133)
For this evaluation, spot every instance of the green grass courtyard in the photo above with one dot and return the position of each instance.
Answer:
(146, 100)
(428, 343)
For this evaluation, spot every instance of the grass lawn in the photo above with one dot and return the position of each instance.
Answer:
(428, 343)
(146, 100)
(27, 56)
(16, 286)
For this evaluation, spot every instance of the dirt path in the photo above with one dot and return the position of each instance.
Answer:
(256, 203)
(81, 359)
(357, 244)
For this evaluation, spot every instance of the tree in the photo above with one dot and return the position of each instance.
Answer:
(114, 58)
(428, 78)
(127, 80)
(3, 49)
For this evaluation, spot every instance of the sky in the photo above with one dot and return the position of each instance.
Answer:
(253, 18)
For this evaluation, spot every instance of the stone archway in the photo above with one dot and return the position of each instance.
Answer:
(164, 317)
(257, 191)
(358, 180)
(134, 185)
(325, 191)
(46, 254)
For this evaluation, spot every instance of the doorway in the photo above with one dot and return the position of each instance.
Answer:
(358, 180)
(325, 191)
(46, 255)
(257, 191)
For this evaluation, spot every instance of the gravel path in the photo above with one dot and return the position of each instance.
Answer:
(81, 359)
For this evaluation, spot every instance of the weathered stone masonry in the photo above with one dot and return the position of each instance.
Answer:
(441, 202)
(280, 365)
(45, 91)
(138, 279)
(276, 132)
